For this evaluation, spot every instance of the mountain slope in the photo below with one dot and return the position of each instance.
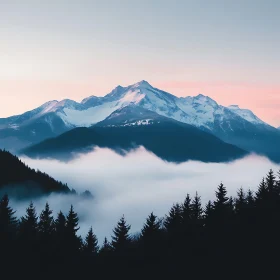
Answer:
(18, 180)
(166, 138)
(233, 125)
(31, 127)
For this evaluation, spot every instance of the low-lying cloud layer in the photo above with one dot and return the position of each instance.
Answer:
(139, 183)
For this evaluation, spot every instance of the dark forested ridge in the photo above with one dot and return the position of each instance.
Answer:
(169, 140)
(229, 233)
(17, 179)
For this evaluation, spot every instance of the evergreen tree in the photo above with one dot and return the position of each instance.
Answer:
(186, 220)
(262, 193)
(28, 231)
(60, 224)
(208, 211)
(29, 223)
(106, 248)
(72, 221)
(8, 221)
(60, 241)
(72, 226)
(222, 199)
(8, 229)
(46, 231)
(151, 235)
(121, 239)
(196, 208)
(176, 232)
(151, 228)
(270, 182)
(90, 247)
(240, 202)
(173, 221)
(186, 210)
(46, 222)
(250, 199)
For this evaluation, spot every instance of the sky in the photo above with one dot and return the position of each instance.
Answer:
(56, 49)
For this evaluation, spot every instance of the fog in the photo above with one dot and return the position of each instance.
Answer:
(137, 184)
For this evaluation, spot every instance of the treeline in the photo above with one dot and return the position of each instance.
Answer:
(190, 239)
(20, 180)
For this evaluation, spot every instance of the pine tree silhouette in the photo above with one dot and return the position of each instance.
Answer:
(151, 236)
(196, 208)
(151, 228)
(72, 226)
(60, 224)
(60, 242)
(72, 221)
(250, 199)
(240, 201)
(121, 239)
(222, 199)
(208, 211)
(28, 232)
(174, 219)
(46, 229)
(46, 222)
(271, 182)
(262, 193)
(186, 210)
(29, 223)
(8, 229)
(106, 248)
(90, 247)
(8, 221)
(175, 231)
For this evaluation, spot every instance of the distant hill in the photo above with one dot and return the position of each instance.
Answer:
(133, 126)
(18, 180)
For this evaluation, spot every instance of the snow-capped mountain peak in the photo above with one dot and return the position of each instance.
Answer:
(200, 111)
(246, 114)
(204, 100)
(234, 107)
(142, 84)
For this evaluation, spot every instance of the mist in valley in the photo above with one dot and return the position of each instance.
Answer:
(138, 184)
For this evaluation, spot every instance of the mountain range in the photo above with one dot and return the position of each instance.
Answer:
(148, 107)
(131, 127)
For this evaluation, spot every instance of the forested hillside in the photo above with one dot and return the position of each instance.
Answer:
(17, 179)
(191, 238)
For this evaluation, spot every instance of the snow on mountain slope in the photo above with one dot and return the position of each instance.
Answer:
(246, 114)
(90, 116)
(200, 111)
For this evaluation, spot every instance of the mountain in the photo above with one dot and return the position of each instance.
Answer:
(236, 126)
(18, 180)
(133, 126)
(31, 127)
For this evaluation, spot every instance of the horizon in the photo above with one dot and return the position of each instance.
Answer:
(227, 50)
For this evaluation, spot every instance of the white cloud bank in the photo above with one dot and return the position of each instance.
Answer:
(140, 183)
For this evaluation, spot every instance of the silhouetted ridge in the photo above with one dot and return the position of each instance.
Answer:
(21, 181)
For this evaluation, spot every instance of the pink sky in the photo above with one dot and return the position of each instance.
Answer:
(22, 95)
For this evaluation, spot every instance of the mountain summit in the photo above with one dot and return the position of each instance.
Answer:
(236, 126)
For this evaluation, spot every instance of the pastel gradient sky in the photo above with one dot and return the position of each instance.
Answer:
(56, 49)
